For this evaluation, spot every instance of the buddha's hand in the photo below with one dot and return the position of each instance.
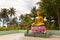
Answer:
(33, 24)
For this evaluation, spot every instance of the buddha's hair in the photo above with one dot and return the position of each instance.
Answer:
(38, 10)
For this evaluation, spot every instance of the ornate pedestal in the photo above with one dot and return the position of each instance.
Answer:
(38, 29)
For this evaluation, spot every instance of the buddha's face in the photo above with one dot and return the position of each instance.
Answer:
(38, 13)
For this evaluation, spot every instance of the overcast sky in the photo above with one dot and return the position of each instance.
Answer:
(21, 6)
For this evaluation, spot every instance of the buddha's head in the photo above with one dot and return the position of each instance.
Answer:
(38, 13)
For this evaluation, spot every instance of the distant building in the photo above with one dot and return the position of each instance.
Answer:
(10, 24)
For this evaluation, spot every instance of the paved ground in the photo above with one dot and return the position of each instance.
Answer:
(17, 36)
(20, 36)
(54, 37)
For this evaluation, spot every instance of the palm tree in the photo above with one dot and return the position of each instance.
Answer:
(21, 17)
(11, 12)
(4, 15)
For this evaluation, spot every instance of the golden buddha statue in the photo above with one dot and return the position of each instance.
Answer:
(38, 20)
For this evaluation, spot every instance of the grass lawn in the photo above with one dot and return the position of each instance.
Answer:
(53, 32)
(12, 32)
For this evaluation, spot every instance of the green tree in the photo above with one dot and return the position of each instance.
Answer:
(23, 22)
(50, 9)
(11, 12)
(4, 15)
(14, 22)
(28, 21)
(57, 10)
(33, 12)
(21, 17)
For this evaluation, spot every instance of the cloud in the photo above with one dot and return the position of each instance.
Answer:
(21, 6)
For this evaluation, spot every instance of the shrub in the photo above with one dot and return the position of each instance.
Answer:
(9, 28)
(50, 26)
(3, 28)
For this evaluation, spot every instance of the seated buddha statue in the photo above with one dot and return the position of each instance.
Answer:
(38, 20)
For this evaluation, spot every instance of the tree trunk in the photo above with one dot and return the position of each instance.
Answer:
(3, 22)
(58, 19)
(59, 22)
(27, 30)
